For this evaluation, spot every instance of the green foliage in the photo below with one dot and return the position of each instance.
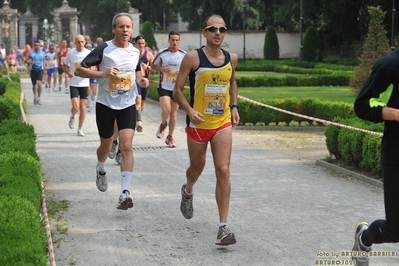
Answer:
(331, 132)
(311, 46)
(22, 233)
(371, 153)
(11, 163)
(148, 34)
(359, 149)
(17, 126)
(289, 80)
(271, 48)
(375, 47)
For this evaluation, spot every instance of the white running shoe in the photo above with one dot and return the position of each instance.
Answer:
(38, 101)
(81, 133)
(139, 127)
(71, 122)
(66, 91)
(125, 201)
(112, 152)
(101, 180)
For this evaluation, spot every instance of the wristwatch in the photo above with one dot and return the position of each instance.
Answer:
(233, 105)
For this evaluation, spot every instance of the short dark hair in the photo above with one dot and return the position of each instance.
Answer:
(139, 37)
(173, 33)
(206, 20)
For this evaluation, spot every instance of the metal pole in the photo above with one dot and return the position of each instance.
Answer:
(199, 11)
(301, 47)
(393, 26)
(245, 7)
(200, 31)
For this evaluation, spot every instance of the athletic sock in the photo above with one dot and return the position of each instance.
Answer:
(126, 177)
(101, 167)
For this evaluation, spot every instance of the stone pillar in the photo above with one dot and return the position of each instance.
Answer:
(65, 12)
(135, 14)
(73, 26)
(57, 28)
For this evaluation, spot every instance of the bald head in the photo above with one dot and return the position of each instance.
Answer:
(80, 42)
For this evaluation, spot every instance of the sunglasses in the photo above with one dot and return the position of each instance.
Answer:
(216, 28)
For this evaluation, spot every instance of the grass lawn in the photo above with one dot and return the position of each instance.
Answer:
(336, 94)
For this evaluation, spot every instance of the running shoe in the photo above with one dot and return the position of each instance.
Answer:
(88, 108)
(38, 101)
(139, 127)
(361, 257)
(55, 89)
(125, 201)
(225, 236)
(118, 157)
(66, 91)
(71, 122)
(81, 133)
(186, 205)
(170, 142)
(101, 180)
(161, 130)
(34, 100)
(112, 152)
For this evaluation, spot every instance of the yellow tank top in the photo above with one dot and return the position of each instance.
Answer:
(210, 92)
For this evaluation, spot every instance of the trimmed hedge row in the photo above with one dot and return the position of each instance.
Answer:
(313, 107)
(355, 148)
(338, 79)
(293, 66)
(22, 231)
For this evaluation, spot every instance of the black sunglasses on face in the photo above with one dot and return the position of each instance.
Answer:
(216, 28)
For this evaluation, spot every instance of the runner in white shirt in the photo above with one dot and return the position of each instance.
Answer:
(51, 65)
(118, 69)
(168, 62)
(78, 87)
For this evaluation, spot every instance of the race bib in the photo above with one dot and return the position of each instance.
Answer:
(121, 83)
(62, 60)
(215, 99)
(52, 64)
(77, 63)
(172, 76)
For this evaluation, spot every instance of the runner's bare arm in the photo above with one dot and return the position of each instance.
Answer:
(235, 117)
(190, 62)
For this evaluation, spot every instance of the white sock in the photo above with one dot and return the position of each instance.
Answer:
(126, 177)
(101, 167)
(222, 224)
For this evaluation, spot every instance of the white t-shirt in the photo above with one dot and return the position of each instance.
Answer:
(121, 92)
(51, 62)
(74, 58)
(166, 57)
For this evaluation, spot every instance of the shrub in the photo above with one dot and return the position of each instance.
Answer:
(311, 46)
(148, 33)
(17, 126)
(376, 46)
(22, 233)
(271, 49)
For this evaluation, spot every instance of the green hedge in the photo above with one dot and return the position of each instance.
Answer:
(22, 233)
(355, 148)
(339, 79)
(313, 107)
(9, 102)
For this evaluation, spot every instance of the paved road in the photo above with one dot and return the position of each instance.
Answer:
(283, 212)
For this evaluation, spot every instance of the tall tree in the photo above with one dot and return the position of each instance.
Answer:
(375, 47)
